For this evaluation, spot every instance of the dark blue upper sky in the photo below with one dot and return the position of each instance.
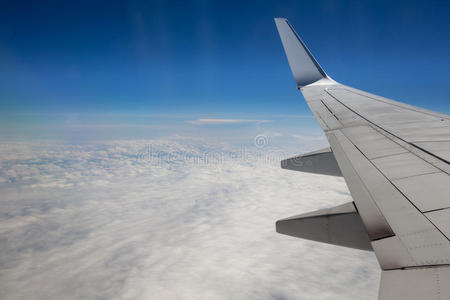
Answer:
(214, 57)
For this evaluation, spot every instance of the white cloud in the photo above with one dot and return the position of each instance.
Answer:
(309, 138)
(224, 121)
(119, 221)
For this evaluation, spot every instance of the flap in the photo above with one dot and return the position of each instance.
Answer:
(340, 225)
(415, 284)
(319, 162)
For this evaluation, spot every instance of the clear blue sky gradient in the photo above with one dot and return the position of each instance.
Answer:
(214, 58)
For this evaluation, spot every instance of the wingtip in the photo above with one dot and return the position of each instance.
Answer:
(304, 67)
(279, 19)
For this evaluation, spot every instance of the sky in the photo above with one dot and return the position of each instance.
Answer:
(140, 143)
(163, 64)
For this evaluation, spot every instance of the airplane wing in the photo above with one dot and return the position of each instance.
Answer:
(395, 160)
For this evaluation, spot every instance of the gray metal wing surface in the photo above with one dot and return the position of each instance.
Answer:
(394, 158)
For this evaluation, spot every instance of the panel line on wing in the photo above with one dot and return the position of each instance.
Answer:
(378, 126)
(415, 231)
(397, 104)
(424, 212)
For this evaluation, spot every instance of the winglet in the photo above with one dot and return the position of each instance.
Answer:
(304, 67)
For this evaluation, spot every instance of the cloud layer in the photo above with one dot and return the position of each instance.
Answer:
(165, 219)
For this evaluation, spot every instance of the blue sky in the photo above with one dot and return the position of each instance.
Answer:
(163, 63)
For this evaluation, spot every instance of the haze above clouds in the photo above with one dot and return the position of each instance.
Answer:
(171, 218)
(225, 121)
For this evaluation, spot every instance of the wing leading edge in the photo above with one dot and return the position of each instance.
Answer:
(395, 160)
